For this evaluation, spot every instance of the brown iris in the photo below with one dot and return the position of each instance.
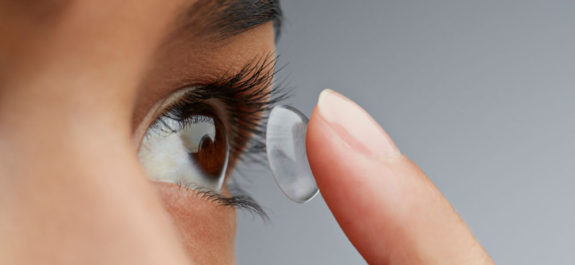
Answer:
(205, 140)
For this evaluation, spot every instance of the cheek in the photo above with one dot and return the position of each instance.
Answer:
(207, 229)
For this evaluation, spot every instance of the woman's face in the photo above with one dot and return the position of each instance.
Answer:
(97, 97)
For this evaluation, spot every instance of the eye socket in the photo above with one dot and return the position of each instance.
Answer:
(191, 150)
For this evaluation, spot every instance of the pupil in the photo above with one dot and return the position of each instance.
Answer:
(206, 142)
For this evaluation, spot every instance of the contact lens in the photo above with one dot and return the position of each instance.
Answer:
(286, 152)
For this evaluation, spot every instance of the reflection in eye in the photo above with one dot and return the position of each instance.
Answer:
(194, 153)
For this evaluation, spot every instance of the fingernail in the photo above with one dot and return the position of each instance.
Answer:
(355, 126)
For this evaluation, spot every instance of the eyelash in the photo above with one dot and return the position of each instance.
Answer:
(247, 97)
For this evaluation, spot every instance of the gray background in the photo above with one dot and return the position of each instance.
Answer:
(479, 93)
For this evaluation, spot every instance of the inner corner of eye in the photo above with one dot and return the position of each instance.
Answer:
(189, 147)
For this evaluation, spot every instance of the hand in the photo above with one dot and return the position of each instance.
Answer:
(390, 211)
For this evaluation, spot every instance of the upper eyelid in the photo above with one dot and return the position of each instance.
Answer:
(213, 80)
(245, 94)
(214, 104)
(260, 66)
(155, 113)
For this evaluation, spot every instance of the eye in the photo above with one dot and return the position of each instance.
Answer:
(190, 148)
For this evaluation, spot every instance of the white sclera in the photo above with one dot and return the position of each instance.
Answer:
(285, 147)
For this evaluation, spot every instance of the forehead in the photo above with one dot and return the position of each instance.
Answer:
(218, 18)
(72, 28)
(223, 18)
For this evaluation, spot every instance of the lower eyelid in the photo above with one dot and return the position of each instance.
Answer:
(176, 195)
(189, 210)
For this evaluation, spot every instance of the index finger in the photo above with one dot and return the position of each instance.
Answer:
(388, 208)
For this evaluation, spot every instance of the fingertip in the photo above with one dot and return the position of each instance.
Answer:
(388, 208)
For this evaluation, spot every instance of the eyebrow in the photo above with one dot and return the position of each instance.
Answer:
(223, 19)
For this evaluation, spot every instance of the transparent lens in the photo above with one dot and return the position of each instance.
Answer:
(285, 144)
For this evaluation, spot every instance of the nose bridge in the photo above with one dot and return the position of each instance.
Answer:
(67, 97)
(65, 110)
(69, 176)
(62, 131)
(57, 122)
(57, 140)
(71, 179)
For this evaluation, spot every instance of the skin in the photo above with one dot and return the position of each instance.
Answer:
(388, 208)
(78, 82)
(72, 114)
